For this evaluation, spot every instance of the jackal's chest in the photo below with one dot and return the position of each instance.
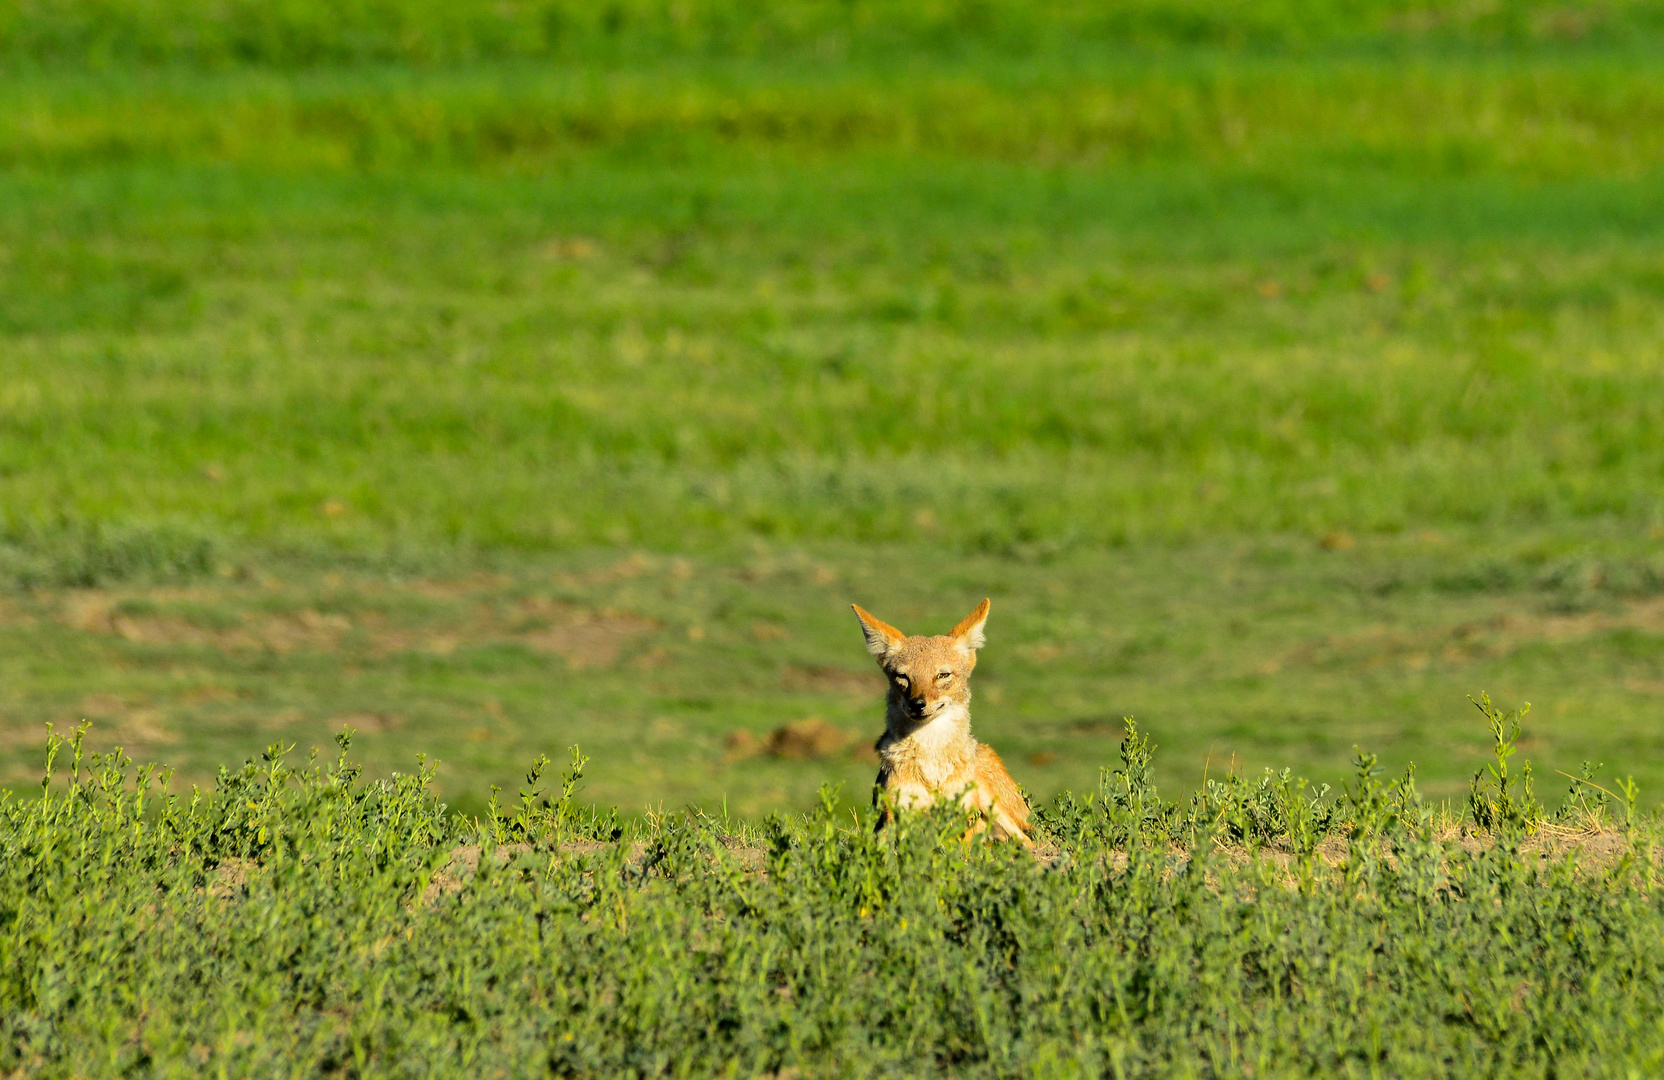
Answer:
(927, 764)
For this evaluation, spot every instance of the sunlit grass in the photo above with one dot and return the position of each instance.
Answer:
(1227, 331)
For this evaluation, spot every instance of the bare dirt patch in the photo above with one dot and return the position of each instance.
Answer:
(820, 679)
(631, 566)
(806, 740)
(145, 726)
(100, 613)
(126, 721)
(461, 588)
(22, 733)
(813, 739)
(368, 722)
(88, 612)
(1098, 726)
(1470, 641)
(13, 617)
(584, 637)
(229, 878)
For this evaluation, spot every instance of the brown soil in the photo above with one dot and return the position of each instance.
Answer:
(804, 740)
(462, 588)
(19, 733)
(631, 566)
(740, 744)
(1471, 641)
(229, 878)
(832, 680)
(14, 618)
(1113, 727)
(584, 638)
(368, 722)
(95, 613)
(126, 721)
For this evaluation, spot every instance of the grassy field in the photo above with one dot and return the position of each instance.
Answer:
(493, 379)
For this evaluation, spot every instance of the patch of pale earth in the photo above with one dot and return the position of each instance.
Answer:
(822, 679)
(1456, 643)
(462, 588)
(124, 721)
(584, 637)
(632, 566)
(13, 617)
(368, 722)
(15, 733)
(95, 613)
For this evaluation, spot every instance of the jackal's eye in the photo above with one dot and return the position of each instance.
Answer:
(943, 676)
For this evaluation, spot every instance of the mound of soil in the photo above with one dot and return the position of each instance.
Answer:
(813, 739)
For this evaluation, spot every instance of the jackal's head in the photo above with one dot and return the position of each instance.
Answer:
(927, 674)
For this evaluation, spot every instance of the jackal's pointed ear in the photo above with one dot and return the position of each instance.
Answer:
(969, 631)
(881, 636)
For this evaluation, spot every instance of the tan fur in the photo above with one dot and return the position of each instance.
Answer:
(927, 751)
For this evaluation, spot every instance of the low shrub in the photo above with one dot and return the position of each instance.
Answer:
(308, 920)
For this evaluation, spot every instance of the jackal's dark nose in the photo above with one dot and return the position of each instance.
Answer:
(917, 705)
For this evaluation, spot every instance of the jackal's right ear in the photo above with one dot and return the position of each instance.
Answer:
(969, 631)
(881, 636)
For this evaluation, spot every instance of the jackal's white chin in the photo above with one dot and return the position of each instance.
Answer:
(948, 711)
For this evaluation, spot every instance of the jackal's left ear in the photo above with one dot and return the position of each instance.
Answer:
(881, 636)
(969, 631)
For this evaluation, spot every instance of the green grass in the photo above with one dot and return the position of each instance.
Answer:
(301, 919)
(1111, 314)
(300, 35)
(1050, 380)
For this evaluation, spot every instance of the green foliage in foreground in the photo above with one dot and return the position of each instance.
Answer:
(310, 922)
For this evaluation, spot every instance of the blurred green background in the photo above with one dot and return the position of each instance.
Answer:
(496, 376)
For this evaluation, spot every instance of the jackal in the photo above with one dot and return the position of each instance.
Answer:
(927, 750)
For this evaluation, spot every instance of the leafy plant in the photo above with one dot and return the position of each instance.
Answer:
(311, 920)
(1501, 800)
(1583, 798)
